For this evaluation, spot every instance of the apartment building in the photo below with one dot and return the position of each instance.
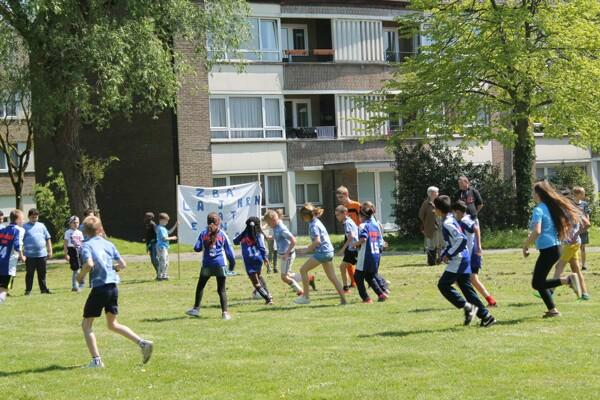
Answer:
(288, 120)
(11, 116)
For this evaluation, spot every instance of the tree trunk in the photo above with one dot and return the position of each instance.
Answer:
(68, 150)
(18, 186)
(523, 162)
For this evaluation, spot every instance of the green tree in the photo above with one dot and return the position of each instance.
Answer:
(491, 69)
(14, 97)
(53, 203)
(92, 60)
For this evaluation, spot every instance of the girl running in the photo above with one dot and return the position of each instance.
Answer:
(255, 255)
(367, 267)
(550, 223)
(215, 244)
(323, 253)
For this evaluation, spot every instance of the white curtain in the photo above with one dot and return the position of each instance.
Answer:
(275, 189)
(268, 33)
(218, 114)
(246, 112)
(272, 116)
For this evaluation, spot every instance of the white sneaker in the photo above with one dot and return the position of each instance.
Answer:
(95, 363)
(226, 316)
(147, 347)
(193, 312)
(301, 300)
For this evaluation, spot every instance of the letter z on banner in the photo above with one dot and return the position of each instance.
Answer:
(234, 204)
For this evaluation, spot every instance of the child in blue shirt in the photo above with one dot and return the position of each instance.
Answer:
(37, 248)
(471, 229)
(348, 251)
(162, 247)
(323, 253)
(11, 251)
(215, 244)
(370, 243)
(255, 255)
(98, 256)
(458, 269)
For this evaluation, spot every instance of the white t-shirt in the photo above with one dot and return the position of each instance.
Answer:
(74, 238)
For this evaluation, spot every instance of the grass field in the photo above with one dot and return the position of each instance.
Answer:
(412, 347)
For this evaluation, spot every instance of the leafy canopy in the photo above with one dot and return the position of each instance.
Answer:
(531, 60)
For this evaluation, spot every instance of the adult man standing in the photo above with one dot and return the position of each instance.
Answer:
(431, 226)
(470, 196)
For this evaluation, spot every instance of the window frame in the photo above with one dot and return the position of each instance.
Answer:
(240, 52)
(305, 191)
(265, 128)
(265, 187)
(396, 45)
(290, 38)
(295, 111)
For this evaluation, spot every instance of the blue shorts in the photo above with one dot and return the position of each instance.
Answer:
(323, 257)
(476, 264)
(253, 269)
(103, 297)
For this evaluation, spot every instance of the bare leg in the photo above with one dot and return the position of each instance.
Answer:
(560, 267)
(583, 255)
(577, 270)
(310, 264)
(479, 286)
(90, 337)
(291, 282)
(113, 325)
(344, 273)
(330, 272)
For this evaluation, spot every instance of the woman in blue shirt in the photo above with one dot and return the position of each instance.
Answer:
(550, 224)
(323, 252)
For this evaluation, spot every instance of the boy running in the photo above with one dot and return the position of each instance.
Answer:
(98, 256)
(348, 250)
(11, 252)
(584, 207)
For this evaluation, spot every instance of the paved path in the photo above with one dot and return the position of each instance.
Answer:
(197, 257)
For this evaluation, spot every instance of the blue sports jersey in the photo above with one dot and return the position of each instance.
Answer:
(370, 251)
(283, 237)
(317, 229)
(456, 247)
(468, 226)
(36, 236)
(214, 256)
(162, 237)
(103, 253)
(351, 230)
(10, 243)
(254, 252)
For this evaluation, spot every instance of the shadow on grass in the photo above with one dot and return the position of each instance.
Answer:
(412, 265)
(523, 304)
(410, 333)
(49, 368)
(431, 309)
(290, 307)
(170, 319)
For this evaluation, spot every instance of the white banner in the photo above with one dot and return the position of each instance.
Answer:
(234, 204)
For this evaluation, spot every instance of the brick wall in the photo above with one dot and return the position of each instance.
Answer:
(315, 76)
(195, 161)
(6, 187)
(311, 153)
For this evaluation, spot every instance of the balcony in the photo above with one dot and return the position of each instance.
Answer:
(310, 117)
(317, 132)
(306, 40)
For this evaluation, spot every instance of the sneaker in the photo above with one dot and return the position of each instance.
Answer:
(95, 363)
(47, 291)
(552, 314)
(470, 313)
(584, 268)
(488, 321)
(75, 290)
(27, 293)
(311, 282)
(302, 300)
(165, 278)
(226, 316)
(574, 283)
(193, 312)
(270, 302)
(585, 296)
(275, 270)
(368, 301)
(147, 347)
(382, 297)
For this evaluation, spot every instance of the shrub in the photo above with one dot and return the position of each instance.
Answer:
(53, 203)
(566, 177)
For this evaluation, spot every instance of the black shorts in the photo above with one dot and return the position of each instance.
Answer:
(6, 281)
(73, 259)
(104, 297)
(350, 257)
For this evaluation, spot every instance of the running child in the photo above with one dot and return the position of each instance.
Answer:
(470, 228)
(367, 267)
(72, 242)
(348, 250)
(11, 252)
(323, 253)
(550, 223)
(162, 246)
(255, 255)
(215, 244)
(383, 283)
(584, 207)
(458, 269)
(98, 256)
(570, 253)
(286, 243)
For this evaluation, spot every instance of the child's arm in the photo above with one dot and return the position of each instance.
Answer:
(66, 250)
(458, 243)
(533, 235)
(262, 248)
(479, 249)
(87, 267)
(173, 229)
(121, 264)
(229, 253)
(288, 251)
(238, 239)
(49, 247)
(199, 244)
(347, 243)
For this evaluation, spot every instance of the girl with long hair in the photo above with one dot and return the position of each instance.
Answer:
(215, 244)
(551, 222)
(254, 253)
(323, 253)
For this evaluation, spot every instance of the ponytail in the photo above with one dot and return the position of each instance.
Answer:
(253, 228)
(308, 210)
(214, 222)
(564, 214)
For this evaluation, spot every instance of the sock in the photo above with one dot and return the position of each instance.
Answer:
(468, 306)
(263, 293)
(141, 343)
(297, 277)
(490, 299)
(2, 297)
(294, 285)
(263, 283)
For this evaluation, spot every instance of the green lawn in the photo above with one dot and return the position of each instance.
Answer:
(412, 346)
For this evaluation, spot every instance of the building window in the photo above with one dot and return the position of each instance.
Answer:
(308, 193)
(294, 37)
(262, 43)
(271, 184)
(8, 109)
(218, 182)
(298, 113)
(14, 156)
(398, 45)
(247, 117)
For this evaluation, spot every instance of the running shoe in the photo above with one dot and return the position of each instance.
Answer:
(488, 321)
(193, 312)
(470, 313)
(311, 282)
(226, 316)
(302, 300)
(552, 314)
(368, 301)
(95, 363)
(382, 297)
(147, 347)
(584, 296)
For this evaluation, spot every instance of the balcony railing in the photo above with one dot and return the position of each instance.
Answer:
(318, 55)
(317, 132)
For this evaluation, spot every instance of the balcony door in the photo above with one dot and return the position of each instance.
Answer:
(378, 187)
(298, 113)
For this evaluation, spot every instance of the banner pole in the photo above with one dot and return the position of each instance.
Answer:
(178, 236)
